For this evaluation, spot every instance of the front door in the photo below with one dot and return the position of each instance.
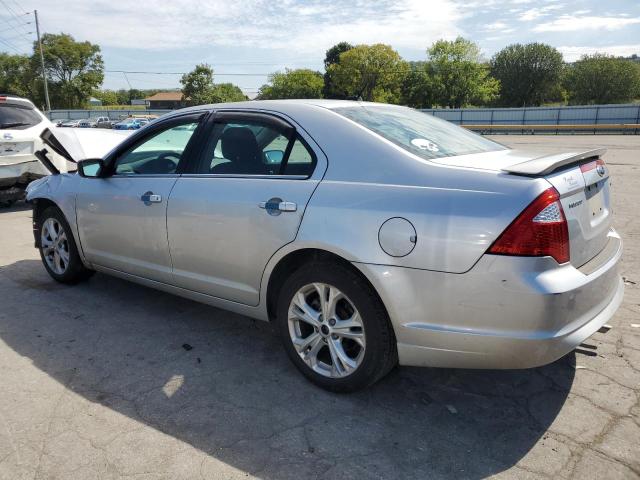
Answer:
(242, 201)
(122, 217)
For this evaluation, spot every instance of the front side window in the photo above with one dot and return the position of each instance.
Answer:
(421, 134)
(158, 154)
(255, 148)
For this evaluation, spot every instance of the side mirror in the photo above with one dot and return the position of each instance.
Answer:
(274, 156)
(91, 168)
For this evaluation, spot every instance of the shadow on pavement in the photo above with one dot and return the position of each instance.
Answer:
(20, 206)
(236, 397)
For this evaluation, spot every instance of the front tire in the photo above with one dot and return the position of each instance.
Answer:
(334, 327)
(58, 249)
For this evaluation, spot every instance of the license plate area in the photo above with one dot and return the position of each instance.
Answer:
(595, 200)
(7, 148)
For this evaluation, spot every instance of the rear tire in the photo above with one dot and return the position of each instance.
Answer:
(353, 348)
(58, 249)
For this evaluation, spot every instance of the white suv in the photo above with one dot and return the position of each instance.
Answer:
(21, 124)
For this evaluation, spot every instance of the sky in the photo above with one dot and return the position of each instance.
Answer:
(244, 40)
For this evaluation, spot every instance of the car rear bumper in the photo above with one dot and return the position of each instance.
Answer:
(506, 312)
(20, 170)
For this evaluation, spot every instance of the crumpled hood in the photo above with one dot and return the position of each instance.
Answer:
(81, 143)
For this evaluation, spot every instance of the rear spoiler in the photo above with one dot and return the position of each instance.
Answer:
(550, 163)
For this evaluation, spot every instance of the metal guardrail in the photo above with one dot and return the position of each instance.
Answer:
(630, 128)
(112, 114)
(576, 119)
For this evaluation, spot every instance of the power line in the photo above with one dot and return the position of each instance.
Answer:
(13, 14)
(261, 74)
(10, 46)
(19, 8)
(17, 36)
(11, 28)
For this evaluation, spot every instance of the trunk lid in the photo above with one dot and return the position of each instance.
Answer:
(582, 180)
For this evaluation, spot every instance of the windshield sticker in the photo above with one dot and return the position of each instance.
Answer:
(424, 144)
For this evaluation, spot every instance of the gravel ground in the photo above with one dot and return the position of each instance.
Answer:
(96, 384)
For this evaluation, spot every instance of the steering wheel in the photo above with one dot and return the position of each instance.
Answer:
(161, 164)
(170, 164)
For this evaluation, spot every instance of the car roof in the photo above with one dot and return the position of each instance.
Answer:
(9, 99)
(284, 106)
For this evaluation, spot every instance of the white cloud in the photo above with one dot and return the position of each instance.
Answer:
(535, 13)
(305, 27)
(571, 54)
(573, 23)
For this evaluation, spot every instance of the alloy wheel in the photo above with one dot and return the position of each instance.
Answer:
(326, 330)
(55, 246)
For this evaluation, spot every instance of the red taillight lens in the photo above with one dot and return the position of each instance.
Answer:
(585, 167)
(540, 230)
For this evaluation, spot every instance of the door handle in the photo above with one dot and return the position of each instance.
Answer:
(276, 205)
(150, 197)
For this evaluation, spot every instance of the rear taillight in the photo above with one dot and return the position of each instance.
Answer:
(586, 167)
(540, 230)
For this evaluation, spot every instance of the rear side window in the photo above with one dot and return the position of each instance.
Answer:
(419, 133)
(14, 117)
(252, 147)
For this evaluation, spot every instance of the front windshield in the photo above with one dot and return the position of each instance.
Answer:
(419, 133)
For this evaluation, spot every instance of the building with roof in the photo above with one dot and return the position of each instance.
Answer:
(166, 100)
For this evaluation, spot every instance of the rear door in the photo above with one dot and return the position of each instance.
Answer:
(585, 198)
(239, 203)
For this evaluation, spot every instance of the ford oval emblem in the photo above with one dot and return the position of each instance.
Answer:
(7, 136)
(600, 169)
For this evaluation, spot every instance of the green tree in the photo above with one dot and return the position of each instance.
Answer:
(418, 89)
(601, 79)
(199, 89)
(16, 75)
(226, 92)
(74, 69)
(107, 97)
(528, 74)
(460, 78)
(300, 83)
(332, 56)
(372, 72)
(197, 85)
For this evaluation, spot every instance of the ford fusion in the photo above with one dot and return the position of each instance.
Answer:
(370, 235)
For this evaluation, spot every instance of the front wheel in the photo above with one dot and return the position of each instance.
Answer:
(58, 248)
(335, 328)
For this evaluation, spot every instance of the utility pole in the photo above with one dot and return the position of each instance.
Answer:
(44, 73)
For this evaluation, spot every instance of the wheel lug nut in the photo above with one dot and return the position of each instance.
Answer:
(334, 336)
(332, 322)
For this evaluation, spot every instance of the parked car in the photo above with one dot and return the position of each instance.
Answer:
(21, 124)
(97, 122)
(377, 235)
(129, 124)
(70, 123)
(103, 122)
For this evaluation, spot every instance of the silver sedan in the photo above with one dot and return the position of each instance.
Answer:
(371, 235)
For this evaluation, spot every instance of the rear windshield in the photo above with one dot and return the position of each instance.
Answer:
(420, 133)
(17, 117)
